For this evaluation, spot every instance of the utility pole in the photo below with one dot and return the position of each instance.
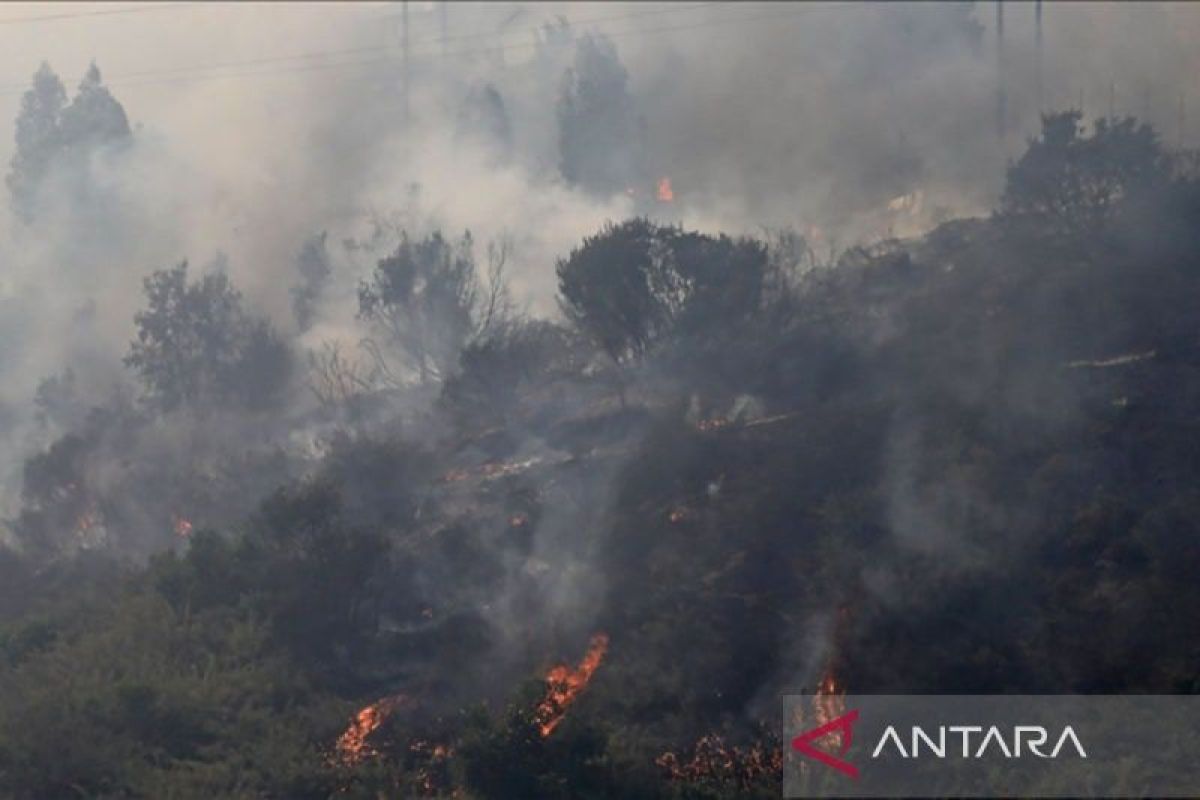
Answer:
(1037, 54)
(1001, 98)
(404, 58)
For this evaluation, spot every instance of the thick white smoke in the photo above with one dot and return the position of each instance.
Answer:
(843, 120)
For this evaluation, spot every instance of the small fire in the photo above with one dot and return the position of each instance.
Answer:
(714, 424)
(431, 773)
(89, 527)
(491, 470)
(563, 685)
(183, 527)
(455, 475)
(713, 762)
(87, 520)
(500, 470)
(677, 515)
(352, 747)
(665, 193)
(518, 520)
(829, 703)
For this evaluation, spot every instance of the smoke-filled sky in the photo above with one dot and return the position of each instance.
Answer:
(258, 125)
(760, 113)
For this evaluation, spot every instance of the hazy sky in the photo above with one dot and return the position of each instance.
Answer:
(260, 124)
(764, 112)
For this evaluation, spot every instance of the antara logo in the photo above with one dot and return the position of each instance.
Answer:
(1034, 737)
(1023, 738)
(845, 723)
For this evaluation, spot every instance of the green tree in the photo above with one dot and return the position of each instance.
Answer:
(1073, 182)
(94, 118)
(313, 266)
(634, 284)
(38, 139)
(426, 301)
(196, 344)
(599, 132)
(49, 132)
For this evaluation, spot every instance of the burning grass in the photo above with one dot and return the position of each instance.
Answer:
(564, 685)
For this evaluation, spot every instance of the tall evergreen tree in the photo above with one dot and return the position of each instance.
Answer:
(599, 132)
(94, 118)
(49, 130)
(38, 138)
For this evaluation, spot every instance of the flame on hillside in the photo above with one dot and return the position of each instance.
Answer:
(490, 470)
(87, 521)
(829, 703)
(182, 527)
(352, 746)
(665, 193)
(564, 685)
(431, 770)
(713, 762)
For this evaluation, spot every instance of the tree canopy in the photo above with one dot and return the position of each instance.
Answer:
(636, 282)
(426, 301)
(1076, 181)
(195, 344)
(51, 133)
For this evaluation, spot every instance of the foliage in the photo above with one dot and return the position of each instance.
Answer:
(49, 132)
(1075, 182)
(38, 138)
(427, 302)
(313, 266)
(195, 345)
(599, 131)
(637, 282)
(496, 370)
(148, 700)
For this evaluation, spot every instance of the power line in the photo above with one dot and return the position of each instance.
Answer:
(671, 8)
(153, 76)
(315, 54)
(103, 12)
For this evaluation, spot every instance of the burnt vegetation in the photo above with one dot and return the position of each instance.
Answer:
(960, 463)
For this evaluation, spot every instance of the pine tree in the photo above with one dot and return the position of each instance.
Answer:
(599, 132)
(38, 139)
(94, 118)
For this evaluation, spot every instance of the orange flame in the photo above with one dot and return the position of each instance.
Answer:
(352, 747)
(713, 762)
(829, 703)
(563, 685)
(183, 527)
(665, 193)
(87, 520)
